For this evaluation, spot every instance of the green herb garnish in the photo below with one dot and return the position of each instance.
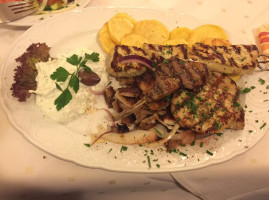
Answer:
(262, 82)
(157, 131)
(245, 90)
(166, 61)
(209, 152)
(61, 75)
(149, 163)
(87, 145)
(123, 148)
(183, 154)
(264, 124)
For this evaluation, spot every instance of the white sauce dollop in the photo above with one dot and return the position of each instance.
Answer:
(47, 92)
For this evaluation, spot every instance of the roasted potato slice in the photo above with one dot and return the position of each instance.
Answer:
(199, 34)
(133, 40)
(152, 30)
(180, 33)
(105, 39)
(119, 27)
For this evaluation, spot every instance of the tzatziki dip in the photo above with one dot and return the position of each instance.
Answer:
(47, 92)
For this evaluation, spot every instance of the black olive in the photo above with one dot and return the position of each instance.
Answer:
(88, 78)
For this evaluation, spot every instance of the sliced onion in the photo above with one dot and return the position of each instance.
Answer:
(165, 139)
(96, 92)
(132, 137)
(137, 59)
(99, 137)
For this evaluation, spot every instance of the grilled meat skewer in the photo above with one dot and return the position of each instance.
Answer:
(234, 59)
(169, 77)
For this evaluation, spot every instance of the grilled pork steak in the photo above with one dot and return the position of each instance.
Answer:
(174, 74)
(211, 109)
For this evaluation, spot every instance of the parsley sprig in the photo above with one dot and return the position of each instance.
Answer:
(61, 75)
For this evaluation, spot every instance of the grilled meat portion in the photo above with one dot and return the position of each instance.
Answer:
(234, 59)
(174, 74)
(211, 109)
(117, 69)
(169, 77)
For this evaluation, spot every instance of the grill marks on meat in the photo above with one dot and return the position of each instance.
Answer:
(212, 109)
(177, 74)
(235, 59)
(169, 77)
(117, 69)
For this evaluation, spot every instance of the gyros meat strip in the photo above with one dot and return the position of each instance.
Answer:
(234, 59)
(211, 109)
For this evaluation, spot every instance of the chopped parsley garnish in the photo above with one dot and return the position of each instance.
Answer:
(236, 104)
(87, 145)
(264, 124)
(267, 87)
(243, 59)
(168, 98)
(154, 64)
(250, 131)
(169, 51)
(209, 152)
(166, 61)
(157, 165)
(201, 144)
(217, 125)
(183, 154)
(123, 148)
(262, 82)
(245, 90)
(61, 75)
(193, 143)
(149, 163)
(157, 131)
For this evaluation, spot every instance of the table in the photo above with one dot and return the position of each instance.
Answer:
(27, 172)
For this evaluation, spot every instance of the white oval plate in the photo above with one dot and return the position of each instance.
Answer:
(34, 19)
(77, 29)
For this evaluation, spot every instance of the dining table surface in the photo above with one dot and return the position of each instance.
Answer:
(28, 172)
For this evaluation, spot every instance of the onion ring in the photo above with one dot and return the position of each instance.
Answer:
(165, 139)
(137, 59)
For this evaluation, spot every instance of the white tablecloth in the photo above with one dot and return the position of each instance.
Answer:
(26, 172)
